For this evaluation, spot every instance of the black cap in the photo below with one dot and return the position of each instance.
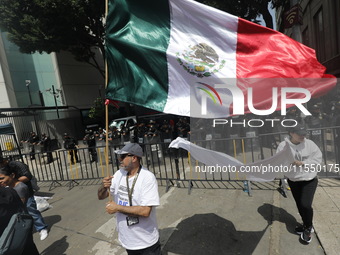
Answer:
(298, 129)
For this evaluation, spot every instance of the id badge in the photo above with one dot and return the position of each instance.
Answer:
(132, 220)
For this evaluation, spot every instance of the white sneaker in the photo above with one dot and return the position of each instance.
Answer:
(43, 234)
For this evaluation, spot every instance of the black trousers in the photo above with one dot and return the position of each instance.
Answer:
(32, 153)
(49, 157)
(152, 250)
(93, 153)
(73, 154)
(303, 193)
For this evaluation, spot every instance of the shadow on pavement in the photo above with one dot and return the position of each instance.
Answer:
(43, 194)
(210, 234)
(57, 248)
(273, 213)
(51, 220)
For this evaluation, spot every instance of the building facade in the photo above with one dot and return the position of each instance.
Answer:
(46, 93)
(320, 30)
(46, 79)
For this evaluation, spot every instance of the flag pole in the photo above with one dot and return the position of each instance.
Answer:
(107, 111)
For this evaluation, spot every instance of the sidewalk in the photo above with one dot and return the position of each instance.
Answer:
(327, 214)
(208, 221)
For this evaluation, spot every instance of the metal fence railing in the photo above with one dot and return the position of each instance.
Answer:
(175, 166)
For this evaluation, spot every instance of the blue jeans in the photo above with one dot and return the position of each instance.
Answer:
(39, 222)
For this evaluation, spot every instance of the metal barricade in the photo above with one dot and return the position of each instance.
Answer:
(176, 166)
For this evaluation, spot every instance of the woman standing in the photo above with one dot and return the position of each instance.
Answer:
(301, 179)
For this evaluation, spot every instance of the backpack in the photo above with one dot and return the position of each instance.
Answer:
(13, 239)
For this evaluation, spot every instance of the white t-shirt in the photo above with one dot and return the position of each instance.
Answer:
(307, 152)
(145, 193)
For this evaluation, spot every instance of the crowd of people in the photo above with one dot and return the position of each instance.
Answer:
(144, 131)
(45, 143)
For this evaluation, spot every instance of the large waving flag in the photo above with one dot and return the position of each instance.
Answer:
(168, 55)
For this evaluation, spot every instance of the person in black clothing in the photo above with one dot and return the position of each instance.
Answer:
(10, 203)
(114, 138)
(183, 127)
(294, 113)
(32, 140)
(166, 130)
(141, 131)
(125, 131)
(90, 140)
(100, 134)
(46, 142)
(315, 122)
(70, 144)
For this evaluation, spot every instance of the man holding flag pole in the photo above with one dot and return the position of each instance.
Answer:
(135, 195)
(134, 204)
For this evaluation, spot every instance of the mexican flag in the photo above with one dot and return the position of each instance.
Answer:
(180, 56)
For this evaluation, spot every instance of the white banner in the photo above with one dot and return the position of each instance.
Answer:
(268, 169)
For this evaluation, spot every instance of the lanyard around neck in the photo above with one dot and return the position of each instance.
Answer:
(133, 185)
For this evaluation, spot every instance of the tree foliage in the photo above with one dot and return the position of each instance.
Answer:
(246, 9)
(54, 25)
(97, 111)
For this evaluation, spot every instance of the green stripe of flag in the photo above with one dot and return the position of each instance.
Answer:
(137, 37)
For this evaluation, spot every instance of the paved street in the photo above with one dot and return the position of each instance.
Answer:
(208, 221)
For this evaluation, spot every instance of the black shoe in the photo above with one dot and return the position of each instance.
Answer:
(299, 229)
(306, 236)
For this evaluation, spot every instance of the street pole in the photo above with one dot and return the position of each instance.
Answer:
(55, 100)
(28, 82)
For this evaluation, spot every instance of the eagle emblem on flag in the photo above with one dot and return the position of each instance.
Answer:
(200, 60)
